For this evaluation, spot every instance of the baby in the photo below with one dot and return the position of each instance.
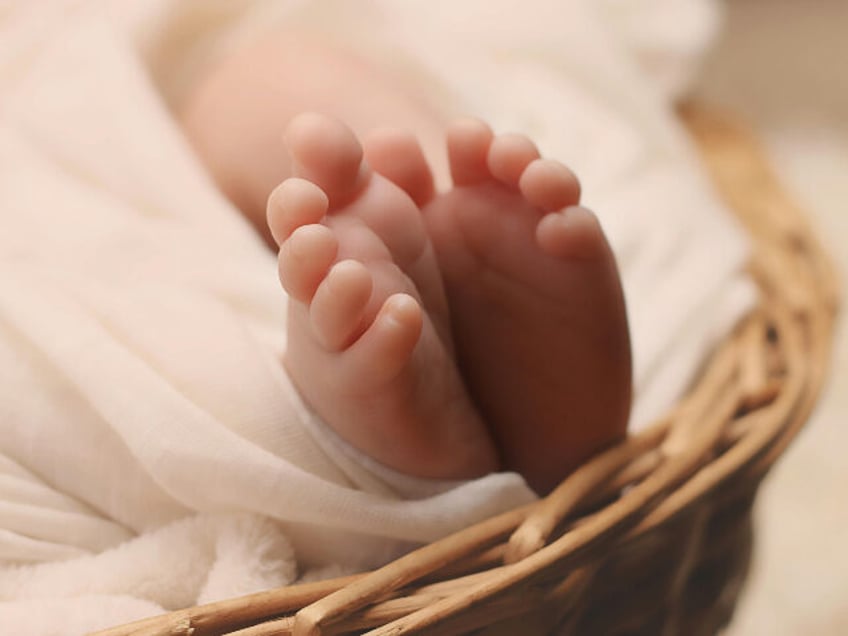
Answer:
(452, 313)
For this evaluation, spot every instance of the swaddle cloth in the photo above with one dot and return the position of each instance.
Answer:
(153, 453)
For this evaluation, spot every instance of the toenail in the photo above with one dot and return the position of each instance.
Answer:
(401, 310)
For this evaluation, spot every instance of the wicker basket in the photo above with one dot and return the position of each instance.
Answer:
(653, 536)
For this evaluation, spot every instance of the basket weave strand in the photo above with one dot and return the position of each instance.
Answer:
(653, 536)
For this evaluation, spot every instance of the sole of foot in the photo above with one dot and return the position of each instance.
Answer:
(369, 344)
(537, 310)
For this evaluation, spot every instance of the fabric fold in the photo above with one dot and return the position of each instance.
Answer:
(153, 452)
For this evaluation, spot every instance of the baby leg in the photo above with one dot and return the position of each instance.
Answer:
(235, 116)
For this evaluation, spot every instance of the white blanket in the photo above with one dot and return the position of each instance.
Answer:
(153, 453)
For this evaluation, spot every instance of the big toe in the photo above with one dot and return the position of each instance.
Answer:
(326, 152)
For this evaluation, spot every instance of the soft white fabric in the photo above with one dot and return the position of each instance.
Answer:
(153, 454)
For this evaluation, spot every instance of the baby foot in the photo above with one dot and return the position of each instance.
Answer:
(368, 337)
(536, 305)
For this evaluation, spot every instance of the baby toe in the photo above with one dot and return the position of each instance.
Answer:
(572, 233)
(339, 304)
(468, 142)
(509, 156)
(397, 155)
(549, 185)
(292, 204)
(386, 347)
(305, 258)
(326, 152)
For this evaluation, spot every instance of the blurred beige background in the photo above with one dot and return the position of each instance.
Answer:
(783, 66)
